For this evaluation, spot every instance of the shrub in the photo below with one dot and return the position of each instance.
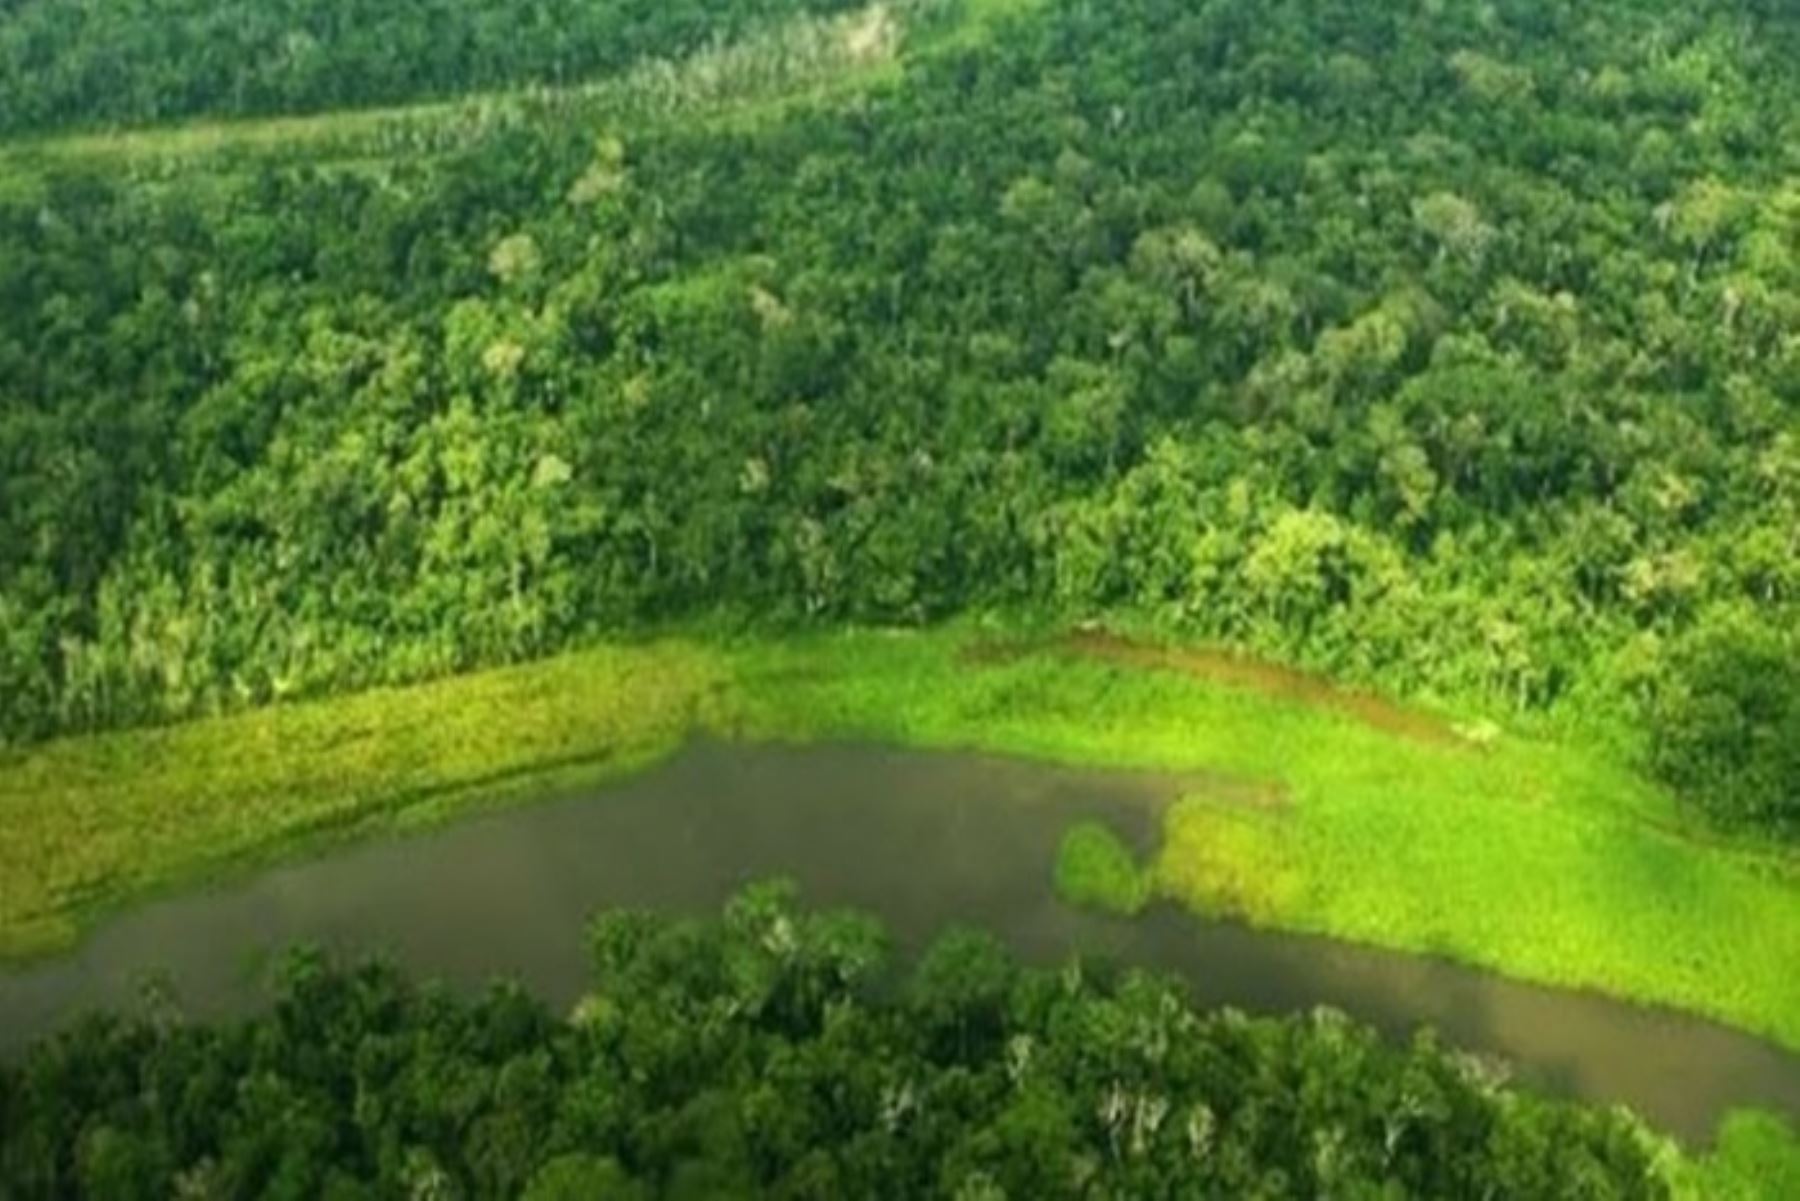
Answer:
(1096, 870)
(1726, 729)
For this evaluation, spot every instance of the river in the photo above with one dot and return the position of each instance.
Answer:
(920, 839)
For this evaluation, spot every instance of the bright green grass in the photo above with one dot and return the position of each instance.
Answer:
(1533, 859)
(1096, 870)
(94, 822)
(1756, 1158)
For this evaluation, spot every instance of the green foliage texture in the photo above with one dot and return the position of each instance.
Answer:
(1449, 353)
(1727, 728)
(772, 1054)
(1757, 1157)
(1095, 868)
(95, 64)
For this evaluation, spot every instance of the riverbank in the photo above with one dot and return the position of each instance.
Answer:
(94, 823)
(1534, 860)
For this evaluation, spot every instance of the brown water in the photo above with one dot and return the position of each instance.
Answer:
(920, 839)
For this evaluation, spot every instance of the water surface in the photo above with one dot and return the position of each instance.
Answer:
(920, 839)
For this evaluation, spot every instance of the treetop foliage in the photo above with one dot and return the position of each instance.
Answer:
(1449, 349)
(102, 63)
(773, 1054)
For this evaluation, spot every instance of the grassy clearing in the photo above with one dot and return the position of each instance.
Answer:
(1533, 859)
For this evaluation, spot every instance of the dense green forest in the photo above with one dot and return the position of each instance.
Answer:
(775, 1054)
(1450, 348)
(97, 63)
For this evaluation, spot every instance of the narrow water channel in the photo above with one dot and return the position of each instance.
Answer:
(922, 840)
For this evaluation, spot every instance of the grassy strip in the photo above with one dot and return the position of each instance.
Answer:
(807, 60)
(767, 74)
(95, 822)
(1526, 857)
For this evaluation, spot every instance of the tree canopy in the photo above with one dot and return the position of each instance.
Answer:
(774, 1053)
(83, 65)
(1449, 350)
(1728, 727)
